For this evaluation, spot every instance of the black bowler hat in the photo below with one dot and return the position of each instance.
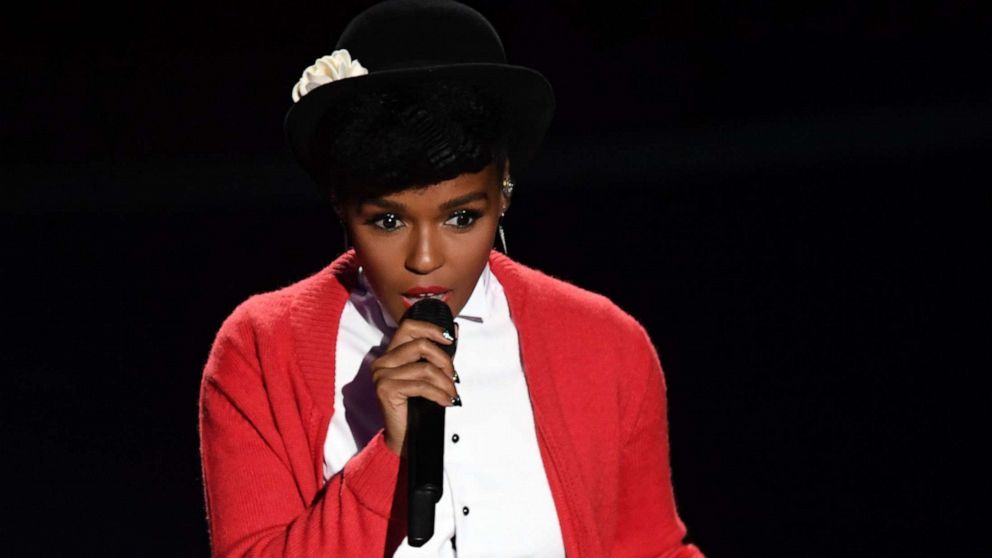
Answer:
(402, 42)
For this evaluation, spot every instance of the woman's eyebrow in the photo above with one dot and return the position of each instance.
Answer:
(454, 202)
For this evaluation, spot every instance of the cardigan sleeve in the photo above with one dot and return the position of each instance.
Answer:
(648, 523)
(255, 506)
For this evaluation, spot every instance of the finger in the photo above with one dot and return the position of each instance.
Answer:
(413, 351)
(409, 330)
(419, 388)
(423, 371)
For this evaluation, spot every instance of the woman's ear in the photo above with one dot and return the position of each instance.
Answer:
(340, 211)
(504, 193)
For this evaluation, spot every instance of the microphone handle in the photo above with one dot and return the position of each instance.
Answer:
(425, 450)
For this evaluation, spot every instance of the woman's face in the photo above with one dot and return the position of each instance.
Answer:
(439, 236)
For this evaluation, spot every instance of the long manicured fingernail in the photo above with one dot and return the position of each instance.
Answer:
(456, 400)
(447, 335)
(456, 378)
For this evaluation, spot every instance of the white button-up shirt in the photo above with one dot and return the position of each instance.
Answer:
(496, 497)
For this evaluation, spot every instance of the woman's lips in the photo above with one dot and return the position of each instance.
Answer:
(409, 301)
(427, 289)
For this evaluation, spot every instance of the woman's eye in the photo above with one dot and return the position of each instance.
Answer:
(389, 221)
(464, 219)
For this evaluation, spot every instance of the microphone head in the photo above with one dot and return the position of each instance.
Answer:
(431, 310)
(436, 312)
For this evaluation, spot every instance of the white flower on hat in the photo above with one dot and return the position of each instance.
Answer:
(335, 66)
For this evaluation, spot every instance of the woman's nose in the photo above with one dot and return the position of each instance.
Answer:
(425, 253)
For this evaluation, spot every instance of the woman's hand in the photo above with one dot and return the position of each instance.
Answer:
(398, 375)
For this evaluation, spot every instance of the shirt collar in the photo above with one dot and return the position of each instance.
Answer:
(480, 303)
(478, 307)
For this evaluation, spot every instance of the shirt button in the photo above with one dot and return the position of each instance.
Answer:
(464, 510)
(455, 438)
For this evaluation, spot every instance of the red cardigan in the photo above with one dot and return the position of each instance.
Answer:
(597, 391)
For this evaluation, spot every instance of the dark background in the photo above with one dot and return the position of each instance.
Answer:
(789, 196)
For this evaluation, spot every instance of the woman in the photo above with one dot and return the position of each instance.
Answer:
(555, 418)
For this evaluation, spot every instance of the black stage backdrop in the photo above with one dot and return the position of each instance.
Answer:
(789, 196)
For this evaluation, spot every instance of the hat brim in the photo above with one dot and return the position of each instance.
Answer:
(530, 103)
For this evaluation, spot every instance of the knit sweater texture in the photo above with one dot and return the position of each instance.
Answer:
(597, 390)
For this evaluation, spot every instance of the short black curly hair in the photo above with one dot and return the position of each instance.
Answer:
(383, 142)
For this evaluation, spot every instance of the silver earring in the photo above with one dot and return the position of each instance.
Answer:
(508, 191)
(502, 238)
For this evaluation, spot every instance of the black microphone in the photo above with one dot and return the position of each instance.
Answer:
(425, 436)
